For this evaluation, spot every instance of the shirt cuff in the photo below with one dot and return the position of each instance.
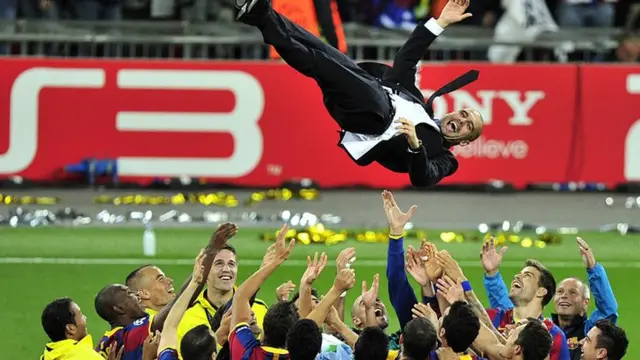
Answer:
(432, 25)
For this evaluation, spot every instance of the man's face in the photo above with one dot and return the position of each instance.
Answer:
(129, 301)
(224, 271)
(79, 330)
(156, 289)
(253, 325)
(511, 349)
(569, 298)
(314, 302)
(460, 125)
(359, 313)
(589, 343)
(524, 286)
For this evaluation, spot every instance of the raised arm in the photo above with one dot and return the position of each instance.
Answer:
(606, 304)
(401, 294)
(241, 308)
(497, 290)
(343, 282)
(169, 339)
(406, 59)
(314, 268)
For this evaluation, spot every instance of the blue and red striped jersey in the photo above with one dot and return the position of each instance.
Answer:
(168, 354)
(559, 350)
(132, 337)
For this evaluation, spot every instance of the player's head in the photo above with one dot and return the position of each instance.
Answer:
(418, 338)
(117, 303)
(571, 298)
(278, 320)
(358, 313)
(224, 270)
(152, 285)
(304, 340)
(461, 127)
(62, 319)
(372, 344)
(198, 343)
(314, 299)
(529, 340)
(604, 341)
(459, 326)
(533, 283)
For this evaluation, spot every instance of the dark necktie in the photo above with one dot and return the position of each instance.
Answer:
(462, 80)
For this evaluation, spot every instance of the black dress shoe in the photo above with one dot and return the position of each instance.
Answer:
(244, 7)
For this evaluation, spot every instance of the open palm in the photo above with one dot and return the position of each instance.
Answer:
(395, 217)
(453, 12)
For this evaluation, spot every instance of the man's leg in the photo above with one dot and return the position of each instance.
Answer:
(344, 85)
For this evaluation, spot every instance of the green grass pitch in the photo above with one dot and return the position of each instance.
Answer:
(27, 286)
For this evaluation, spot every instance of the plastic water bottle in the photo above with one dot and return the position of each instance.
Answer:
(149, 240)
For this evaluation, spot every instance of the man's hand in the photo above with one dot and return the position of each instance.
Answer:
(198, 268)
(279, 252)
(150, 346)
(453, 12)
(222, 334)
(395, 217)
(346, 257)
(416, 267)
(491, 258)
(219, 239)
(332, 319)
(370, 296)
(114, 352)
(314, 268)
(449, 266)
(588, 258)
(450, 290)
(407, 129)
(425, 311)
(284, 290)
(429, 251)
(345, 280)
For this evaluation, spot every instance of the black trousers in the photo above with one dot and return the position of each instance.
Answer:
(354, 98)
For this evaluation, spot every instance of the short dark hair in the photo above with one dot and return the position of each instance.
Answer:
(546, 280)
(419, 337)
(314, 292)
(130, 280)
(55, 318)
(535, 340)
(304, 340)
(198, 344)
(229, 248)
(280, 317)
(613, 339)
(461, 326)
(372, 344)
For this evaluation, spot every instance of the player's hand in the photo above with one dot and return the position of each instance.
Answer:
(370, 296)
(453, 12)
(490, 257)
(114, 352)
(222, 334)
(449, 265)
(395, 217)
(407, 129)
(425, 311)
(415, 266)
(588, 258)
(346, 258)
(219, 239)
(429, 251)
(345, 280)
(314, 268)
(198, 268)
(450, 290)
(280, 251)
(284, 290)
(150, 346)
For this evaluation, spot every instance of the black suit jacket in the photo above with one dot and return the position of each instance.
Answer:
(433, 161)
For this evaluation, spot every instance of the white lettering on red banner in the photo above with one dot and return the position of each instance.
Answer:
(241, 122)
(632, 143)
(24, 109)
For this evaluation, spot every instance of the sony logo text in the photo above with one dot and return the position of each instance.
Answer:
(632, 143)
(241, 122)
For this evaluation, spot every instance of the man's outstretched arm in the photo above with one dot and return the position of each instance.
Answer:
(406, 60)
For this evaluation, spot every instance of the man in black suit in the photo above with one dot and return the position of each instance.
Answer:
(373, 103)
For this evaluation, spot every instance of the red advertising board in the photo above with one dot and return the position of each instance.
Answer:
(258, 124)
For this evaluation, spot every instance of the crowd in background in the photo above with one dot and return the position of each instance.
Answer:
(212, 318)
